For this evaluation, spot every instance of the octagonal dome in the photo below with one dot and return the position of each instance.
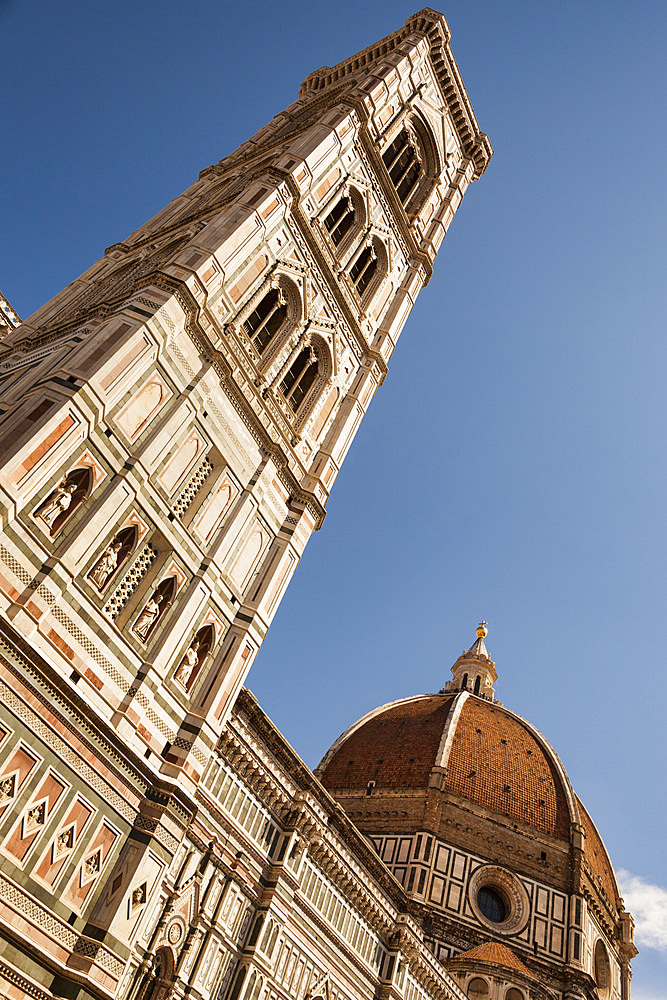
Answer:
(432, 761)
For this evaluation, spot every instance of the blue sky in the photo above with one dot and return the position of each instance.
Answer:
(511, 467)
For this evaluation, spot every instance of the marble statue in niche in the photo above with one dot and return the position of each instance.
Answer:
(148, 616)
(57, 503)
(113, 556)
(188, 664)
(154, 608)
(64, 499)
(105, 565)
(186, 672)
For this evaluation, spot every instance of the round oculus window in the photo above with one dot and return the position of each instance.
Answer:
(498, 899)
(492, 905)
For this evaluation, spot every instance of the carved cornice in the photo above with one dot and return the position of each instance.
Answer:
(361, 852)
(433, 26)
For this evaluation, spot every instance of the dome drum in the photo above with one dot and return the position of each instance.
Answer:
(472, 811)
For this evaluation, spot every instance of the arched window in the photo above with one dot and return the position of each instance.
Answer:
(300, 377)
(340, 219)
(364, 269)
(156, 984)
(464, 683)
(477, 684)
(68, 495)
(254, 987)
(514, 994)
(601, 969)
(266, 319)
(404, 164)
(478, 988)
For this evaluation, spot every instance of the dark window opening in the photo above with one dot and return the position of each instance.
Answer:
(340, 220)
(492, 905)
(300, 378)
(266, 319)
(364, 268)
(477, 684)
(403, 163)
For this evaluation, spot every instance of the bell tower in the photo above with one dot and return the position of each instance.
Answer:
(174, 420)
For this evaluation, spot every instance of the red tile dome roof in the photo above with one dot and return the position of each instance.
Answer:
(491, 757)
(474, 750)
(494, 954)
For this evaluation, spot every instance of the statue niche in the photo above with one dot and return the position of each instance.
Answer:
(189, 667)
(113, 556)
(154, 608)
(68, 495)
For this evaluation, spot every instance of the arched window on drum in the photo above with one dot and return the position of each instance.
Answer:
(478, 989)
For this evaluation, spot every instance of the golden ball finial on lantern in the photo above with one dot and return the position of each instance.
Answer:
(482, 630)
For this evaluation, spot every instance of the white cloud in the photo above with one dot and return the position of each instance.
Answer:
(642, 994)
(648, 905)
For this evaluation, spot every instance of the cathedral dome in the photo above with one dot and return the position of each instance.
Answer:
(442, 762)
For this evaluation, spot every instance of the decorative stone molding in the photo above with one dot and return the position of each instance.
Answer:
(508, 886)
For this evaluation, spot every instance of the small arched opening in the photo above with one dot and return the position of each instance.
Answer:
(157, 982)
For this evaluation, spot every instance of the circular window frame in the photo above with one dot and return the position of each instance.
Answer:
(510, 889)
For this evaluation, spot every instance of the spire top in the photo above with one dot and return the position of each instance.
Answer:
(478, 648)
(475, 671)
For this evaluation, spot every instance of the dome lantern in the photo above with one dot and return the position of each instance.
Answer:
(474, 671)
